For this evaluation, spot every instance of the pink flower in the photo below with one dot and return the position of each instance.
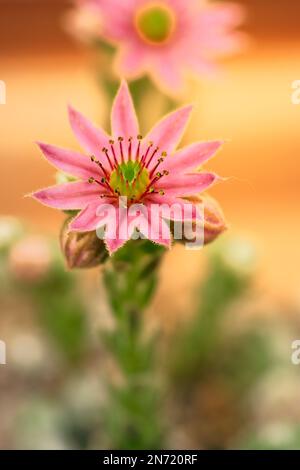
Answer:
(167, 38)
(145, 171)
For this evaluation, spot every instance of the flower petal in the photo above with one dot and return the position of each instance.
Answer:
(116, 233)
(186, 185)
(88, 219)
(149, 223)
(174, 208)
(116, 18)
(157, 231)
(69, 195)
(168, 74)
(130, 61)
(168, 132)
(69, 161)
(124, 121)
(91, 139)
(191, 157)
(223, 16)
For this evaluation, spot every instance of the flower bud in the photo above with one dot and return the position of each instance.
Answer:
(82, 250)
(214, 223)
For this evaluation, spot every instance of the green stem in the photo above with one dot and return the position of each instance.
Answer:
(130, 278)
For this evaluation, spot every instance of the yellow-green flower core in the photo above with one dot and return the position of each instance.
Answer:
(130, 179)
(155, 23)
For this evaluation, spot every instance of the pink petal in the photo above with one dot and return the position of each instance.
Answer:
(116, 17)
(174, 208)
(88, 219)
(168, 74)
(114, 241)
(168, 132)
(158, 231)
(186, 185)
(91, 139)
(130, 62)
(71, 162)
(191, 157)
(203, 66)
(69, 195)
(123, 118)
(223, 16)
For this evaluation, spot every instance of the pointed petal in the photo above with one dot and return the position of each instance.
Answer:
(161, 234)
(168, 132)
(158, 231)
(69, 195)
(223, 16)
(168, 74)
(186, 185)
(73, 163)
(115, 239)
(116, 18)
(91, 139)
(130, 61)
(88, 219)
(191, 157)
(175, 208)
(124, 121)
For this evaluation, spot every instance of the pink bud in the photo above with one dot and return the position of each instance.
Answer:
(82, 250)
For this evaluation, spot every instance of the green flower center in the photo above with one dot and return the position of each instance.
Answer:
(130, 179)
(155, 23)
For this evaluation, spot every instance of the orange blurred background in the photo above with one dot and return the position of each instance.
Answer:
(250, 106)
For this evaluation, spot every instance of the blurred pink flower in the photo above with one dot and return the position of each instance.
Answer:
(144, 171)
(30, 258)
(167, 38)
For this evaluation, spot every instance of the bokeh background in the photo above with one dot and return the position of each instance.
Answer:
(250, 280)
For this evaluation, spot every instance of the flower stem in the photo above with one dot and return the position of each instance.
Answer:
(130, 278)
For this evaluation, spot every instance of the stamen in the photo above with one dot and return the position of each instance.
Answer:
(154, 180)
(103, 169)
(100, 165)
(101, 183)
(137, 155)
(120, 139)
(129, 148)
(105, 150)
(146, 154)
(113, 196)
(152, 156)
(159, 161)
(113, 152)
